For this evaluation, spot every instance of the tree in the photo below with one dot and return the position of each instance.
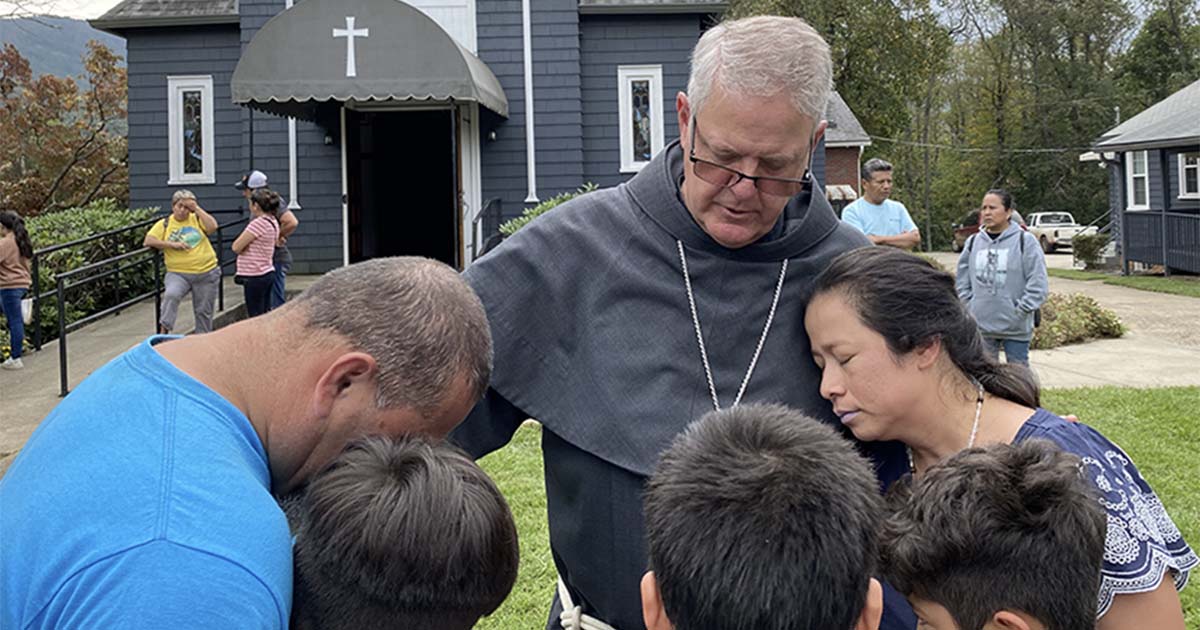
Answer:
(1164, 56)
(59, 140)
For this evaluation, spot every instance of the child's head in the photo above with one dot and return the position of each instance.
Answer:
(405, 534)
(760, 517)
(1007, 536)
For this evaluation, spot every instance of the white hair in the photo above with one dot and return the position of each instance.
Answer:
(763, 56)
(180, 195)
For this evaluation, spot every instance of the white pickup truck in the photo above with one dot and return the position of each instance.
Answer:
(1055, 229)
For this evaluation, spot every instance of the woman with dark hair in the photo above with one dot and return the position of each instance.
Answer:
(902, 359)
(1002, 278)
(16, 252)
(255, 248)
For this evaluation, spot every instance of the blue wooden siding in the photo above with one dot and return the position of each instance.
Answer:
(317, 244)
(609, 41)
(557, 110)
(153, 55)
(1175, 203)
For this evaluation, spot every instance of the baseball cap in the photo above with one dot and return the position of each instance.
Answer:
(252, 180)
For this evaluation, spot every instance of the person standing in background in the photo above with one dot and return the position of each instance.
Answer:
(16, 252)
(884, 221)
(191, 262)
(287, 224)
(254, 247)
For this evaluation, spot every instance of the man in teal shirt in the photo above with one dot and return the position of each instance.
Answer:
(884, 221)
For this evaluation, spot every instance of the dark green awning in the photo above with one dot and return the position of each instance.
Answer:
(361, 51)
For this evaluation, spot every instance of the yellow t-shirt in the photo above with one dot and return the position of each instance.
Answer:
(198, 258)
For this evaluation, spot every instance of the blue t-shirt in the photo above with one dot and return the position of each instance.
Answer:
(143, 501)
(1142, 541)
(886, 219)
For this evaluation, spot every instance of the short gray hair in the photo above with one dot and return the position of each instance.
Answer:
(763, 56)
(421, 322)
(875, 165)
(180, 195)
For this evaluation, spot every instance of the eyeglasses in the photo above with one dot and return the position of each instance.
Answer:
(725, 177)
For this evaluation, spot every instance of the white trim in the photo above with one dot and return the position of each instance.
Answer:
(1129, 176)
(345, 197)
(1183, 192)
(530, 145)
(176, 86)
(293, 184)
(472, 180)
(625, 76)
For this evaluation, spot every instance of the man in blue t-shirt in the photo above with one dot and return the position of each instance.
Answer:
(145, 499)
(884, 221)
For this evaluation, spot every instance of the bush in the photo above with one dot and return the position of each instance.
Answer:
(510, 227)
(1088, 248)
(1068, 319)
(73, 224)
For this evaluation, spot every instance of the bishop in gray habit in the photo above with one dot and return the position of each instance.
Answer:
(595, 338)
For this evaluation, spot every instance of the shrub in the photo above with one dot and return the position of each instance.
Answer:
(1068, 319)
(510, 227)
(73, 224)
(1088, 248)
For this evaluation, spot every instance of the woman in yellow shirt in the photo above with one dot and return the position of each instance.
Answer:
(191, 262)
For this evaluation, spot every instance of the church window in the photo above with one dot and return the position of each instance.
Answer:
(190, 130)
(641, 115)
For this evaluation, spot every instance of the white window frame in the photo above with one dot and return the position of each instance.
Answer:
(176, 86)
(626, 75)
(1131, 203)
(1184, 193)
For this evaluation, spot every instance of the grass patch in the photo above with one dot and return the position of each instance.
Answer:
(1160, 430)
(1157, 427)
(517, 470)
(1180, 285)
(1076, 274)
(1176, 285)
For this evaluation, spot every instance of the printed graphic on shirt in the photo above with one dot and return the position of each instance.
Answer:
(186, 234)
(991, 268)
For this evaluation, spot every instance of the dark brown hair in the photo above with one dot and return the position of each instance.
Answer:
(1006, 527)
(15, 224)
(406, 533)
(761, 517)
(910, 303)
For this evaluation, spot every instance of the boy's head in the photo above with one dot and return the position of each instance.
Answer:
(760, 517)
(406, 533)
(1004, 537)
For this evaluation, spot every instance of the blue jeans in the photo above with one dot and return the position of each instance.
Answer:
(1015, 350)
(11, 301)
(283, 264)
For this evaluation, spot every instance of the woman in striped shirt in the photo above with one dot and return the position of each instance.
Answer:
(255, 248)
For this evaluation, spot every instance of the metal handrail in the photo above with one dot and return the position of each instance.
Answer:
(94, 272)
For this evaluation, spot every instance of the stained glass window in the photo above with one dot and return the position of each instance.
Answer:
(639, 92)
(193, 132)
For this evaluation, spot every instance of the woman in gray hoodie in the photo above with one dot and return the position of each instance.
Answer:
(1002, 278)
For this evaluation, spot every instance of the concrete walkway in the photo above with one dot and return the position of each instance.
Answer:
(1161, 349)
(27, 395)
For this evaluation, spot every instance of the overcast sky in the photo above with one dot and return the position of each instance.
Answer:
(68, 8)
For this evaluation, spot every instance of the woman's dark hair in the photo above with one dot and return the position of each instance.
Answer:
(1004, 195)
(267, 200)
(910, 303)
(15, 224)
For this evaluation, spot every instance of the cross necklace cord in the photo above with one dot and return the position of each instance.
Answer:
(712, 387)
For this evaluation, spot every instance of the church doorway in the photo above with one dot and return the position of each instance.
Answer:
(402, 184)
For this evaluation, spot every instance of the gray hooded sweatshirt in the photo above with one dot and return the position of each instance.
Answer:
(1002, 285)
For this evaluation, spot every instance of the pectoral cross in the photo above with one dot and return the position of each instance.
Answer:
(350, 33)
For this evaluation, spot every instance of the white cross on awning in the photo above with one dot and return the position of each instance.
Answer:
(350, 33)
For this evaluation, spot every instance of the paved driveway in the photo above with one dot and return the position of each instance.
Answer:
(1162, 347)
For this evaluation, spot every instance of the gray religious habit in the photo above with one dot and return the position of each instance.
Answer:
(594, 337)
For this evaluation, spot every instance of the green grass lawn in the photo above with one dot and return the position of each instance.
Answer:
(1159, 428)
(1177, 285)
